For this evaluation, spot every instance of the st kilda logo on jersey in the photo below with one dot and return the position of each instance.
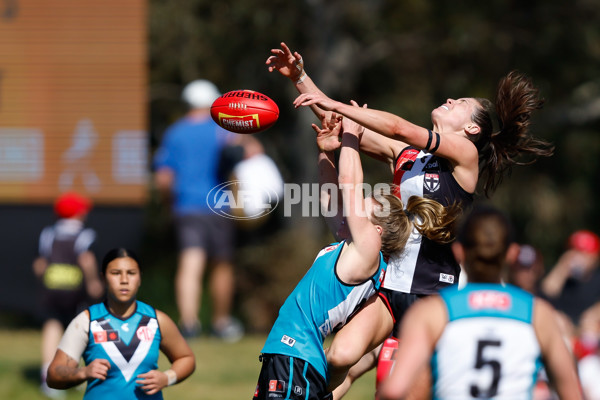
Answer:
(431, 182)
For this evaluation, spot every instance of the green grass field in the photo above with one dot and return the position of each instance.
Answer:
(223, 371)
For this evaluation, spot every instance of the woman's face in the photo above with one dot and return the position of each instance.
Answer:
(123, 279)
(454, 115)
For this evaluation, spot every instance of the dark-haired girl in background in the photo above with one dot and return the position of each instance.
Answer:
(119, 340)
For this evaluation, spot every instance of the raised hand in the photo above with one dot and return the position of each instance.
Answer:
(328, 137)
(288, 64)
(318, 99)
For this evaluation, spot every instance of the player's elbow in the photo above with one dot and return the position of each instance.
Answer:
(52, 381)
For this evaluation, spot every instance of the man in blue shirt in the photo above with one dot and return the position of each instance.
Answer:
(186, 167)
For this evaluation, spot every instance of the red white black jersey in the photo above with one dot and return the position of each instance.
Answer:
(424, 267)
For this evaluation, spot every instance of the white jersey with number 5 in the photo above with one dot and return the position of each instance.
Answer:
(489, 349)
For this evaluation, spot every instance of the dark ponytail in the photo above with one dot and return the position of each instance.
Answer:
(486, 234)
(504, 139)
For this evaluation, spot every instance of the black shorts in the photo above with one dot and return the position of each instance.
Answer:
(212, 233)
(397, 303)
(285, 377)
(62, 305)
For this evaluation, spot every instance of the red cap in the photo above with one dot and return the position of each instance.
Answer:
(71, 204)
(585, 241)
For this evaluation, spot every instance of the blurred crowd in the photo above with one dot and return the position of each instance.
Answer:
(572, 287)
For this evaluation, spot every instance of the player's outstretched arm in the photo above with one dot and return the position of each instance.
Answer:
(291, 65)
(330, 197)
(456, 148)
(362, 258)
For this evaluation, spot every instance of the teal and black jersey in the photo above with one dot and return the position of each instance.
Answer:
(131, 346)
(319, 305)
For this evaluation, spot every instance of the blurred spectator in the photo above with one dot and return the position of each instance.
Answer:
(187, 167)
(589, 371)
(68, 272)
(527, 269)
(526, 272)
(588, 350)
(572, 285)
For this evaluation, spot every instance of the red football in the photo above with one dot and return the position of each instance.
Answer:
(244, 111)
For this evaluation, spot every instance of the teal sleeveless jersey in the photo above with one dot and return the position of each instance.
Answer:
(319, 305)
(131, 346)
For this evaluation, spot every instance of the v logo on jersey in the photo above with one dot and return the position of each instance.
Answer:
(127, 357)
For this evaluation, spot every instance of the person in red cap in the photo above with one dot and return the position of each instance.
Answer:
(68, 273)
(572, 284)
(585, 241)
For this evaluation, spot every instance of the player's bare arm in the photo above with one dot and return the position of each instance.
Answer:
(64, 371)
(291, 65)
(459, 150)
(362, 258)
(174, 346)
(557, 358)
(420, 330)
(327, 142)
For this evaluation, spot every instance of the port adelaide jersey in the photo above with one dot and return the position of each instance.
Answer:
(319, 305)
(489, 347)
(131, 346)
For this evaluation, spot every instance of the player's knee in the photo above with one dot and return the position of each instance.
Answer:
(342, 356)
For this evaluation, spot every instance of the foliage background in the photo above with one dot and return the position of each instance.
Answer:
(404, 57)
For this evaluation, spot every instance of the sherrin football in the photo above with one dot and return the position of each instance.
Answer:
(244, 111)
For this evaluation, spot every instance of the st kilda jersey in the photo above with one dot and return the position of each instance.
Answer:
(131, 346)
(424, 267)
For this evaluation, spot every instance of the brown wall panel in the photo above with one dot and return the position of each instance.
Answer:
(73, 100)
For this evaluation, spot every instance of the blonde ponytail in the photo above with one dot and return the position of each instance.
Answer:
(430, 218)
(435, 221)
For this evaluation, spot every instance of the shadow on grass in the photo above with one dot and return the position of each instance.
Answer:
(31, 373)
